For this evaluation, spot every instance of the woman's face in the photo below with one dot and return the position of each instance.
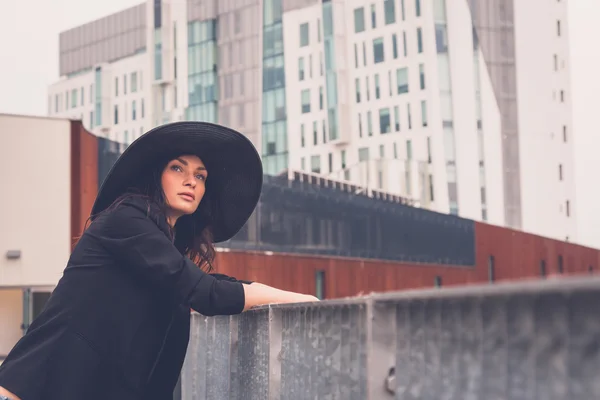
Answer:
(183, 182)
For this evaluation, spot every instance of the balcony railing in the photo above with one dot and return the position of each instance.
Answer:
(530, 340)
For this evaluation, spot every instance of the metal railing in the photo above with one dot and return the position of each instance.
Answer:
(529, 340)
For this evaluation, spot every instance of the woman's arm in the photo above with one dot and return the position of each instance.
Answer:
(258, 294)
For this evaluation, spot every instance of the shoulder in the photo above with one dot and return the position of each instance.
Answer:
(132, 213)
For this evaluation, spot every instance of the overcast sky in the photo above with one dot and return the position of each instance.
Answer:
(29, 63)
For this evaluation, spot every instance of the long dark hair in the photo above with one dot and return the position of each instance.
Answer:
(192, 234)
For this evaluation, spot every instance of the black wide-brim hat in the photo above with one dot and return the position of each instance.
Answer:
(234, 169)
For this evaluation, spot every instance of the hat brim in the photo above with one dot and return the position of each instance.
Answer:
(234, 169)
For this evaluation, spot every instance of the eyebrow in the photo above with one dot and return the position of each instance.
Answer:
(186, 163)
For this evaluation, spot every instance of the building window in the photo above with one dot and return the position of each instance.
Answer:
(558, 27)
(390, 84)
(91, 93)
(133, 111)
(389, 7)
(409, 152)
(315, 134)
(360, 131)
(560, 172)
(395, 46)
(568, 208)
(418, 7)
(543, 272)
(124, 84)
(560, 264)
(116, 114)
(318, 30)
(377, 87)
(304, 34)
(320, 97)
(437, 281)
(378, 52)
(369, 123)
(365, 54)
(305, 101)
(357, 85)
(428, 150)
(384, 121)
(431, 189)
(356, 55)
(310, 68)
(315, 164)
(419, 40)
(302, 137)
(116, 86)
(363, 154)
(142, 108)
(395, 150)
(367, 84)
(82, 96)
(320, 284)
(409, 116)
(126, 137)
(404, 43)
(373, 17)
(564, 133)
(555, 62)
(403, 10)
(74, 98)
(91, 119)
(343, 159)
(324, 130)
(491, 268)
(330, 162)
(359, 20)
(301, 68)
(303, 164)
(424, 112)
(402, 80)
(397, 118)
(562, 96)
(422, 76)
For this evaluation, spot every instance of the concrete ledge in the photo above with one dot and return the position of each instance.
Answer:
(526, 340)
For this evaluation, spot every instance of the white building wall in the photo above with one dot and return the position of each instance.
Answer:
(542, 114)
(492, 147)
(460, 37)
(116, 77)
(314, 80)
(39, 192)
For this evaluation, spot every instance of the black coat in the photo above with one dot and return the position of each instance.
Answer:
(117, 324)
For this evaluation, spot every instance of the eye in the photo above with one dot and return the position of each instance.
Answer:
(201, 177)
(176, 168)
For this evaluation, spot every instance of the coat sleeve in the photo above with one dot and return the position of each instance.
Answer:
(138, 244)
(223, 277)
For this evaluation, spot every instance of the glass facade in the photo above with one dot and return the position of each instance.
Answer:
(274, 118)
(203, 88)
(157, 39)
(330, 74)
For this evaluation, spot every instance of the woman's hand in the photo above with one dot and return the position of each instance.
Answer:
(258, 294)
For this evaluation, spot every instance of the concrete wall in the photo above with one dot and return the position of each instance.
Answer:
(35, 206)
(517, 341)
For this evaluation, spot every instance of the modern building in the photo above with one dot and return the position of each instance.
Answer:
(411, 97)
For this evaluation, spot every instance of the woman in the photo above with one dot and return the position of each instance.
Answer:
(117, 324)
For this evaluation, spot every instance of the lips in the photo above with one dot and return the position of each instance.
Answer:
(188, 196)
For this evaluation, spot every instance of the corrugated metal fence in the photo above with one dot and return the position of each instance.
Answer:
(533, 340)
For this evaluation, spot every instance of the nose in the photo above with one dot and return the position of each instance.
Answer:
(190, 181)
